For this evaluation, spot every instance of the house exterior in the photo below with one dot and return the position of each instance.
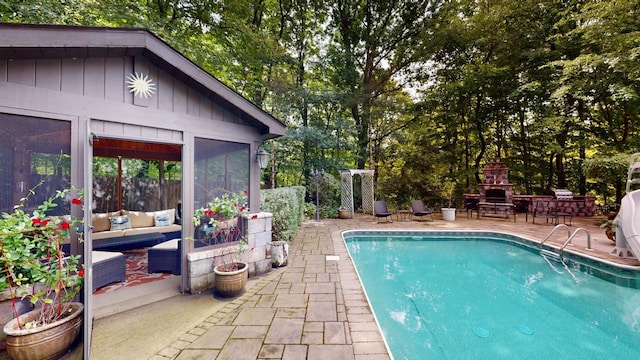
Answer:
(70, 96)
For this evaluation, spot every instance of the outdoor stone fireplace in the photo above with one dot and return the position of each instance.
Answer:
(496, 187)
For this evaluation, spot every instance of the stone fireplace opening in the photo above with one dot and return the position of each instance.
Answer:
(496, 196)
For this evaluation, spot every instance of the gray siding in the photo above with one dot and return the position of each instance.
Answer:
(136, 131)
(105, 78)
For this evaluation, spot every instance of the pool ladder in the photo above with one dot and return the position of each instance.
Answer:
(570, 237)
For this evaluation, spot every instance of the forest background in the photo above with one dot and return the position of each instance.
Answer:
(422, 92)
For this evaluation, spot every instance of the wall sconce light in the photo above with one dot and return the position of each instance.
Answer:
(262, 157)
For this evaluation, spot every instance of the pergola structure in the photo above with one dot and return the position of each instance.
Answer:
(346, 185)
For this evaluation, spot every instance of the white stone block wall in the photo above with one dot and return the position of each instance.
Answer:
(257, 253)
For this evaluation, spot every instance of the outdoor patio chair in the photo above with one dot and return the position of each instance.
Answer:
(380, 210)
(521, 207)
(418, 209)
(471, 205)
(545, 209)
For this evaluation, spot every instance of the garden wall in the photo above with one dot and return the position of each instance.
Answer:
(257, 253)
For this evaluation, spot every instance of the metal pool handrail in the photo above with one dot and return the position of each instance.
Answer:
(570, 236)
(573, 235)
(554, 230)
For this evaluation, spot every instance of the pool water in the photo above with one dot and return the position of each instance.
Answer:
(439, 298)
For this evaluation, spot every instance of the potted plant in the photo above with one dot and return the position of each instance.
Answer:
(34, 267)
(609, 226)
(221, 216)
(343, 213)
(448, 189)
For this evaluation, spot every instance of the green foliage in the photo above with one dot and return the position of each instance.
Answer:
(32, 262)
(224, 207)
(328, 190)
(287, 207)
(416, 90)
(329, 211)
(309, 210)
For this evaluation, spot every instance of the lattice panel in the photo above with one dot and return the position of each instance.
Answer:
(367, 193)
(346, 191)
(346, 185)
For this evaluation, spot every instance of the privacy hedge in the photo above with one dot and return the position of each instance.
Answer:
(287, 206)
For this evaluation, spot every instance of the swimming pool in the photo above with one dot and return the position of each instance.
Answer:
(479, 295)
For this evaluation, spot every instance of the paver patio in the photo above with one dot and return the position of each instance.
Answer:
(315, 308)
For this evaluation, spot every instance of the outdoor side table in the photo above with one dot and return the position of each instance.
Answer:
(403, 215)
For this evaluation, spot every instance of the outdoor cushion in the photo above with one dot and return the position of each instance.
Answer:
(162, 220)
(171, 213)
(139, 218)
(120, 222)
(101, 221)
(107, 234)
(152, 229)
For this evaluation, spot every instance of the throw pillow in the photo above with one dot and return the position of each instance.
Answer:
(162, 220)
(120, 222)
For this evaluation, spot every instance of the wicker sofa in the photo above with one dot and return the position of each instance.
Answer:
(123, 230)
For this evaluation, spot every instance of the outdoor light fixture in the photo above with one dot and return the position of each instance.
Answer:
(262, 157)
(316, 174)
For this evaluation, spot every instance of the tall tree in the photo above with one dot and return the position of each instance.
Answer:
(375, 42)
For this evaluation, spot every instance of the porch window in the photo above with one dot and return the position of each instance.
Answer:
(220, 167)
(33, 150)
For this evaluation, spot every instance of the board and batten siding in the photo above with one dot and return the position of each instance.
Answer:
(105, 78)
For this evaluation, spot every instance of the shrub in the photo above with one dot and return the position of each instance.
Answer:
(287, 206)
(329, 211)
(309, 210)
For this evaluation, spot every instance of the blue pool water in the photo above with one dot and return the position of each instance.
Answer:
(472, 298)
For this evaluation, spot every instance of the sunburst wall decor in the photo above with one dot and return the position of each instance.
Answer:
(141, 85)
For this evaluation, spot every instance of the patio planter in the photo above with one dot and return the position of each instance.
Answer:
(448, 214)
(49, 341)
(279, 253)
(230, 283)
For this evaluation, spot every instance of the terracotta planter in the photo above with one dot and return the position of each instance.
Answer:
(44, 342)
(231, 283)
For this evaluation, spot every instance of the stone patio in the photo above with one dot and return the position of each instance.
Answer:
(315, 308)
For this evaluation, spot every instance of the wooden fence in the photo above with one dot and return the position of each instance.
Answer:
(138, 194)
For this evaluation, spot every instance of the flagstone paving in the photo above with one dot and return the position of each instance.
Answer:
(315, 307)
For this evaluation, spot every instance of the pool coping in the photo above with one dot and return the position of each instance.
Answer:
(513, 237)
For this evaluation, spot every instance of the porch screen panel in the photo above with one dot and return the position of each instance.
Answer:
(220, 167)
(33, 150)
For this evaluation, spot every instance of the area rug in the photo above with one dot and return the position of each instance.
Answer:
(136, 264)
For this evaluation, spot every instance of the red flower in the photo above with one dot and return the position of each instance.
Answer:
(243, 208)
(39, 222)
(64, 225)
(81, 273)
(76, 201)
(255, 216)
(208, 212)
(246, 192)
